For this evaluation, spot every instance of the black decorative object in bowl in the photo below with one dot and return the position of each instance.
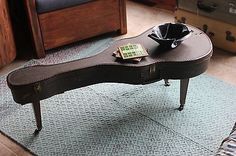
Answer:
(170, 35)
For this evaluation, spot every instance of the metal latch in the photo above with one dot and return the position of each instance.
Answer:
(232, 8)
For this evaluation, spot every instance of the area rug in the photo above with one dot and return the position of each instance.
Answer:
(122, 119)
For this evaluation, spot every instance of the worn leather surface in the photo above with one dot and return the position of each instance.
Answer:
(51, 5)
(194, 50)
(187, 60)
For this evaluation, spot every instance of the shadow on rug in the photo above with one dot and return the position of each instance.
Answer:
(122, 119)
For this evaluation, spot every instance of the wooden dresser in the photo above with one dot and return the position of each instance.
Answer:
(7, 45)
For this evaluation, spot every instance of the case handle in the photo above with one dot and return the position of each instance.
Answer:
(206, 7)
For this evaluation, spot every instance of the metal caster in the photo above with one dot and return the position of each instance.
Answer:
(181, 107)
(167, 83)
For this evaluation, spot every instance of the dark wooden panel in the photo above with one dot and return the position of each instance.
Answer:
(21, 31)
(7, 45)
(123, 20)
(72, 24)
(35, 27)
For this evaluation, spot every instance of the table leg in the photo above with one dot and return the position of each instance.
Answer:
(37, 114)
(183, 92)
(167, 83)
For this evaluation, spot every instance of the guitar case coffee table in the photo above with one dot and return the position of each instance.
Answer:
(189, 59)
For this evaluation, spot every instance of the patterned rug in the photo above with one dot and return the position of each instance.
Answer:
(122, 119)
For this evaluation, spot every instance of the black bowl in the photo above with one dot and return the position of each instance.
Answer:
(170, 35)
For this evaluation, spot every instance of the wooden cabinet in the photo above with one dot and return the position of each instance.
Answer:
(7, 45)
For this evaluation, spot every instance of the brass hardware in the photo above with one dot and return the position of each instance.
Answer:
(152, 70)
(37, 88)
(230, 37)
(210, 34)
(204, 28)
(181, 20)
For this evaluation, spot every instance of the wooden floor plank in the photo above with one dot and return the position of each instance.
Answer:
(8, 147)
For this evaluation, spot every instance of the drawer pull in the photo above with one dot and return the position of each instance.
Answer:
(210, 34)
(181, 20)
(204, 28)
(229, 36)
(206, 7)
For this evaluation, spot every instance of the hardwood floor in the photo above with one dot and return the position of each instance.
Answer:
(10, 148)
(139, 18)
